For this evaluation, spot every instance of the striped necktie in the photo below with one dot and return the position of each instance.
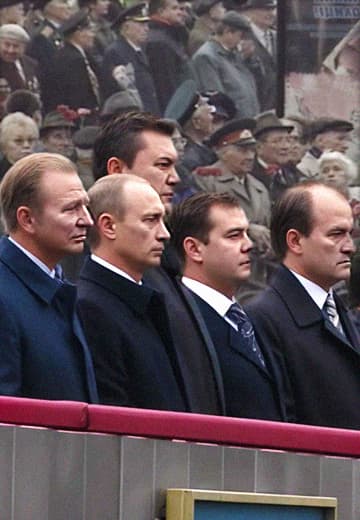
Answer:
(332, 313)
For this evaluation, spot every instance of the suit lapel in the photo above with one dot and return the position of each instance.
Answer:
(236, 343)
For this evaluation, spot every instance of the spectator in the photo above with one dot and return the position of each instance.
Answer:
(19, 135)
(336, 170)
(17, 71)
(169, 63)
(44, 44)
(133, 358)
(80, 88)
(262, 16)
(56, 134)
(273, 154)
(132, 27)
(210, 236)
(104, 35)
(141, 144)
(311, 235)
(43, 353)
(83, 140)
(218, 65)
(323, 134)
(210, 13)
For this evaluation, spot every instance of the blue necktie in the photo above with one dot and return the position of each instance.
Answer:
(238, 316)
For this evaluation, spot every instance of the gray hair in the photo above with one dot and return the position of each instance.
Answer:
(349, 165)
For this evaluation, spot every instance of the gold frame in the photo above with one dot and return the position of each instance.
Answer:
(180, 502)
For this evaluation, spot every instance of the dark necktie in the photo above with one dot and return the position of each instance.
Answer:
(332, 313)
(238, 316)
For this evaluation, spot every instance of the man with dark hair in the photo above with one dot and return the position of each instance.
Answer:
(153, 157)
(300, 312)
(209, 232)
(132, 350)
(219, 66)
(43, 352)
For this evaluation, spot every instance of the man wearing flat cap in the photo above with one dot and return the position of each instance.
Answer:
(45, 42)
(17, 71)
(235, 147)
(262, 17)
(271, 166)
(132, 28)
(55, 134)
(75, 71)
(324, 134)
(218, 65)
(209, 14)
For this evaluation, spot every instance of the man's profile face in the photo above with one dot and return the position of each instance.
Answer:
(156, 164)
(274, 147)
(326, 252)
(225, 258)
(141, 232)
(61, 222)
(238, 159)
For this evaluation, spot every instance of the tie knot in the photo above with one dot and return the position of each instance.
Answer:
(237, 314)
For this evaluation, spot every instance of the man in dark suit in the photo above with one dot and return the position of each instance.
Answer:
(209, 232)
(43, 352)
(141, 144)
(75, 72)
(300, 313)
(132, 349)
(132, 25)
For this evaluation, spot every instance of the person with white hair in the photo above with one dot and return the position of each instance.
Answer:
(19, 135)
(17, 71)
(337, 170)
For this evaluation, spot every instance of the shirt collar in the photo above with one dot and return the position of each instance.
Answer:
(113, 268)
(39, 263)
(316, 292)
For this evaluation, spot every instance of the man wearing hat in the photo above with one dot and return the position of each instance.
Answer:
(55, 134)
(324, 133)
(209, 13)
(235, 147)
(46, 41)
(17, 71)
(75, 71)
(262, 17)
(132, 27)
(218, 65)
(273, 154)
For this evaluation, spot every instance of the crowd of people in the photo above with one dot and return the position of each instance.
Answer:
(208, 240)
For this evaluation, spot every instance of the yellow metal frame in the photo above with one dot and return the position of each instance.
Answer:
(180, 503)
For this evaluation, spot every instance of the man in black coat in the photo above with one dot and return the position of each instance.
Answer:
(141, 144)
(77, 83)
(165, 49)
(209, 233)
(132, 25)
(300, 313)
(132, 348)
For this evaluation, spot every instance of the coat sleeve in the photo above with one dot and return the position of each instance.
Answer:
(10, 354)
(206, 73)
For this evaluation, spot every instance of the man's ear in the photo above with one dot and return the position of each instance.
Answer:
(106, 226)
(293, 241)
(25, 219)
(193, 249)
(115, 165)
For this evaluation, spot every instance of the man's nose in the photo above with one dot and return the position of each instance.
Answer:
(173, 177)
(86, 218)
(163, 233)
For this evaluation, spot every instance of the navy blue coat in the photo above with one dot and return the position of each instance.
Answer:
(121, 53)
(251, 391)
(43, 352)
(323, 367)
(127, 330)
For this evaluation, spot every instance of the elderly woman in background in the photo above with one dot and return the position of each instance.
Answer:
(19, 135)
